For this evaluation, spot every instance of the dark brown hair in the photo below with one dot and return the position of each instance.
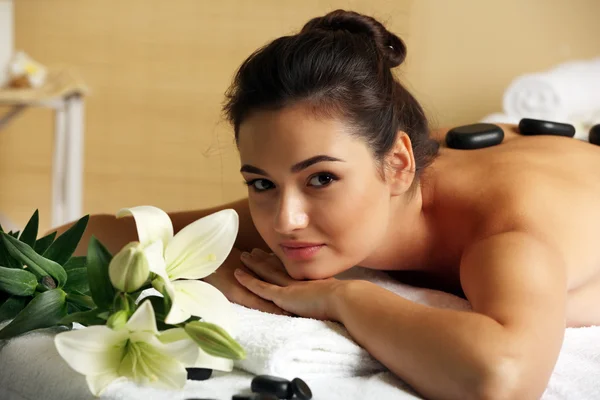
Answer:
(339, 64)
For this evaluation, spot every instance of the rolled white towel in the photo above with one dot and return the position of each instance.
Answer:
(566, 90)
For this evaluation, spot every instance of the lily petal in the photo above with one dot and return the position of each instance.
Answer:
(97, 383)
(152, 223)
(143, 319)
(148, 365)
(202, 246)
(92, 351)
(202, 300)
(178, 344)
(156, 260)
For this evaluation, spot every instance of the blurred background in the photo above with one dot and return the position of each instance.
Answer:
(155, 72)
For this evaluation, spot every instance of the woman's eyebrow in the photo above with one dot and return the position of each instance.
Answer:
(295, 168)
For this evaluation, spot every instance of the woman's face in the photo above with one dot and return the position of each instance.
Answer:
(315, 192)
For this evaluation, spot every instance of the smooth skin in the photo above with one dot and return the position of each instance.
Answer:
(511, 227)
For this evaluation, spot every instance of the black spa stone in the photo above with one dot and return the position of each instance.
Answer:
(532, 127)
(198, 374)
(594, 137)
(474, 136)
(301, 389)
(280, 387)
(255, 396)
(264, 396)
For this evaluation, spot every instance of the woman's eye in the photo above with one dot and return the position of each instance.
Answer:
(260, 185)
(321, 180)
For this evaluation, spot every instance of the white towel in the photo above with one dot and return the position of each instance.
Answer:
(569, 89)
(30, 367)
(290, 347)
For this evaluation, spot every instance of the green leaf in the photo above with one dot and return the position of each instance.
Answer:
(84, 302)
(101, 288)
(12, 306)
(36, 263)
(41, 245)
(75, 263)
(31, 230)
(45, 310)
(85, 318)
(64, 246)
(14, 234)
(6, 260)
(17, 281)
(73, 308)
(77, 274)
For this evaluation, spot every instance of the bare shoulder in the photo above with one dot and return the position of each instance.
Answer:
(545, 186)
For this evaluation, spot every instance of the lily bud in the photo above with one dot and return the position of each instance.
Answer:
(117, 320)
(214, 340)
(128, 270)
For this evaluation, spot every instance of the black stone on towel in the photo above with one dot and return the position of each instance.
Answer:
(530, 127)
(264, 396)
(301, 389)
(280, 387)
(199, 374)
(594, 137)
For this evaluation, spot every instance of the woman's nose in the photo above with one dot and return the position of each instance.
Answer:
(291, 215)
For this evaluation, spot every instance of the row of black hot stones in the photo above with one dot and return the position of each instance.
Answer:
(264, 387)
(477, 136)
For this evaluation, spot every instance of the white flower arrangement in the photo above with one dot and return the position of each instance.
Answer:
(144, 315)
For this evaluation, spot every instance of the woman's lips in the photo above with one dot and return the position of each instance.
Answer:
(301, 252)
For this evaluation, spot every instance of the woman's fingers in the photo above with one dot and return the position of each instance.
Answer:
(224, 280)
(267, 266)
(260, 288)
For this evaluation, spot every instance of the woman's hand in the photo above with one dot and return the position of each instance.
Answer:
(311, 299)
(224, 280)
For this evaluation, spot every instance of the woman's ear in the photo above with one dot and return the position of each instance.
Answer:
(400, 165)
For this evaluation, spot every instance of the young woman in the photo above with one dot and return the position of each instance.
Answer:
(341, 171)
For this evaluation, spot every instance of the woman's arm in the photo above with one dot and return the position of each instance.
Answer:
(115, 233)
(505, 349)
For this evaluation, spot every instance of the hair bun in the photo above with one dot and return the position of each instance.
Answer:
(390, 45)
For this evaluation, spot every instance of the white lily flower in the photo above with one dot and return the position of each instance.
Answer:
(134, 352)
(194, 253)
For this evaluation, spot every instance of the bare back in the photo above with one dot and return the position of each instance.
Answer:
(544, 185)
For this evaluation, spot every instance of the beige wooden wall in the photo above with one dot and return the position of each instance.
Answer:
(157, 70)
